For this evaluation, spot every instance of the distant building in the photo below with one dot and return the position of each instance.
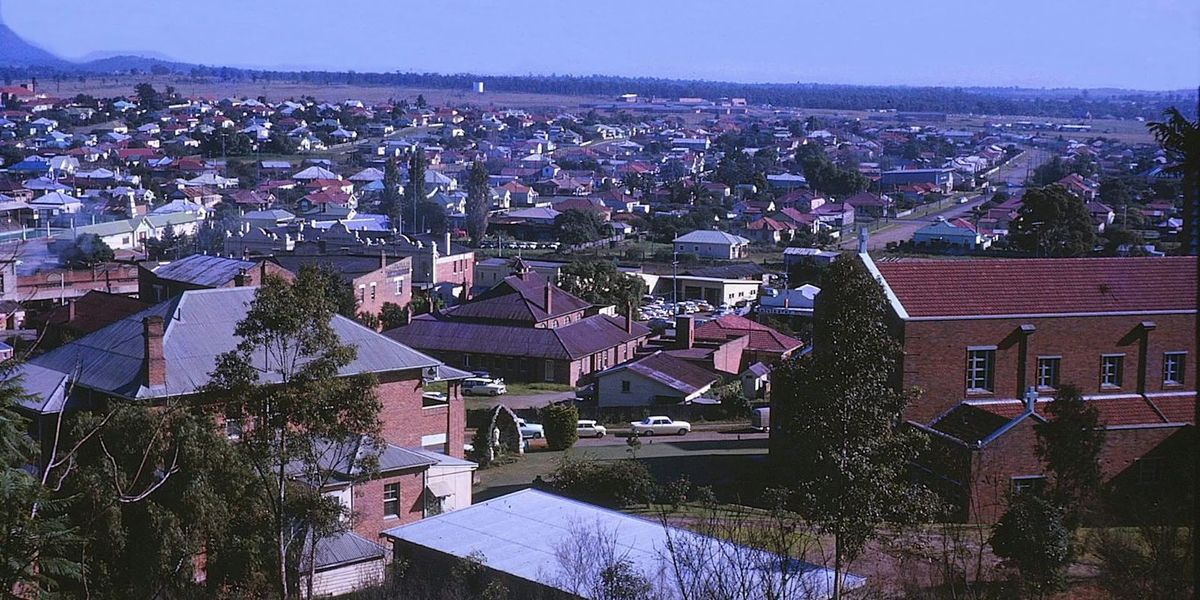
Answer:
(710, 243)
(943, 179)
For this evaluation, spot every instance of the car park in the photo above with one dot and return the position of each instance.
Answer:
(588, 428)
(660, 426)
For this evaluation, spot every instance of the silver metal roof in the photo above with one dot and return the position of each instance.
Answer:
(522, 534)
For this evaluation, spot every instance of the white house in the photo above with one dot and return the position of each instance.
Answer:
(710, 243)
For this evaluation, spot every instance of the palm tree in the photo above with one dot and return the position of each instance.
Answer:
(1181, 139)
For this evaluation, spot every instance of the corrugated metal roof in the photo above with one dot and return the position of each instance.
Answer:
(499, 530)
(346, 548)
(199, 326)
(671, 371)
(712, 236)
(579, 339)
(202, 269)
(45, 389)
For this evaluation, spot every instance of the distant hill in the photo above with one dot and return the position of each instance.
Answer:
(16, 52)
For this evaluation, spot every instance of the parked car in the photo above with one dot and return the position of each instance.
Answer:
(433, 398)
(760, 418)
(530, 430)
(479, 386)
(660, 426)
(587, 428)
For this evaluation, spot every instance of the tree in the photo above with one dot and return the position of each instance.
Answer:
(421, 101)
(577, 226)
(1181, 139)
(283, 378)
(168, 245)
(392, 315)
(431, 217)
(839, 416)
(88, 250)
(602, 284)
(414, 193)
(391, 193)
(1053, 222)
(333, 288)
(1032, 537)
(1070, 443)
(1049, 172)
(148, 97)
(560, 422)
(479, 200)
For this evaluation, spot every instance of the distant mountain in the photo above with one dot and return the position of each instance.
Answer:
(125, 62)
(16, 52)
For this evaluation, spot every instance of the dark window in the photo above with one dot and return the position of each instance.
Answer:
(1047, 371)
(1028, 485)
(1111, 370)
(1173, 367)
(980, 366)
(391, 499)
(625, 387)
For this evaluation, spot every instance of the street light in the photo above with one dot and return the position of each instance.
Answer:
(674, 283)
(62, 286)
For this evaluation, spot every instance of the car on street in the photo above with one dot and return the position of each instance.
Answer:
(530, 430)
(589, 428)
(660, 426)
(481, 386)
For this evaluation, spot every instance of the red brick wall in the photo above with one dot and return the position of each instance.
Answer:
(403, 419)
(936, 354)
(368, 519)
(458, 269)
(385, 289)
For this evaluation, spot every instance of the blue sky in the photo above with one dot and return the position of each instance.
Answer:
(1143, 44)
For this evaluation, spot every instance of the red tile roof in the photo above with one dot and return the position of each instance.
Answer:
(762, 338)
(962, 288)
(1114, 411)
(1178, 409)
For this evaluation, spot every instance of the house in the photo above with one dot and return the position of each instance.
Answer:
(526, 329)
(956, 234)
(797, 302)
(763, 344)
(85, 314)
(871, 205)
(942, 179)
(796, 256)
(535, 566)
(769, 231)
(653, 380)
(711, 243)
(992, 341)
(163, 280)
(376, 280)
(55, 203)
(725, 284)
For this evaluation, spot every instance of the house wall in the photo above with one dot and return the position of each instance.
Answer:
(721, 251)
(368, 518)
(346, 579)
(642, 390)
(935, 355)
(405, 421)
(458, 479)
(392, 283)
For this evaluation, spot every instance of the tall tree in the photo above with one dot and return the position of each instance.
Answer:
(479, 200)
(1070, 443)
(1181, 139)
(839, 413)
(602, 284)
(391, 193)
(1053, 222)
(283, 380)
(414, 193)
(577, 226)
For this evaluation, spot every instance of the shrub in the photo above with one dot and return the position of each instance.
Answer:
(1032, 537)
(610, 483)
(560, 422)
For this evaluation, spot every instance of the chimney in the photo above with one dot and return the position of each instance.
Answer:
(154, 365)
(547, 296)
(242, 279)
(629, 317)
(685, 332)
(448, 243)
(383, 258)
(863, 234)
(70, 311)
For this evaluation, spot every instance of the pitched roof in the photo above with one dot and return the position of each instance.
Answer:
(1041, 286)
(519, 298)
(712, 236)
(674, 372)
(199, 325)
(762, 338)
(569, 342)
(202, 269)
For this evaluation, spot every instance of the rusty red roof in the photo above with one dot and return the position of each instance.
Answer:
(1041, 286)
(762, 338)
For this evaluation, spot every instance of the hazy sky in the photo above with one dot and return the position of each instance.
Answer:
(1150, 44)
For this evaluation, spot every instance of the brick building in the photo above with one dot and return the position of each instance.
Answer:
(159, 281)
(375, 280)
(990, 341)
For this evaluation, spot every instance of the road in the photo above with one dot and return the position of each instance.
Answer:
(901, 230)
(617, 438)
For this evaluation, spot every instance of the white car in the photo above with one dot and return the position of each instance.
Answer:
(530, 430)
(586, 428)
(660, 426)
(482, 386)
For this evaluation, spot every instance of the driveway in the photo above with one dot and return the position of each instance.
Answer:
(515, 401)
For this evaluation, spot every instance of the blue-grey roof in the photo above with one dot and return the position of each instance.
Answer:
(499, 531)
(202, 269)
(199, 326)
(45, 389)
(712, 236)
(344, 549)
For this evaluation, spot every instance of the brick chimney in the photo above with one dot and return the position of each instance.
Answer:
(548, 293)
(154, 365)
(242, 279)
(685, 332)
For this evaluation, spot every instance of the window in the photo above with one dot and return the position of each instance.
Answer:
(1111, 367)
(980, 363)
(625, 387)
(372, 292)
(233, 428)
(1030, 484)
(1047, 371)
(1173, 366)
(548, 371)
(391, 499)
(400, 286)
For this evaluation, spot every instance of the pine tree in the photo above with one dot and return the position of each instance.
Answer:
(391, 193)
(414, 194)
(478, 202)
